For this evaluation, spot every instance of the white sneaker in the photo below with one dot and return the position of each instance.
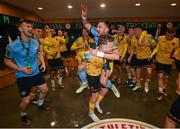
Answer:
(61, 86)
(94, 117)
(99, 108)
(146, 88)
(53, 89)
(59, 82)
(115, 91)
(136, 88)
(81, 88)
(53, 85)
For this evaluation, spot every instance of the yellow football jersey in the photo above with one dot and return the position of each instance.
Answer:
(52, 46)
(143, 50)
(94, 66)
(165, 49)
(177, 53)
(63, 41)
(121, 42)
(81, 42)
(132, 42)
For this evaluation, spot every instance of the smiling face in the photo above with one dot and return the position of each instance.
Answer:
(26, 29)
(131, 31)
(102, 28)
(169, 36)
(108, 48)
(85, 33)
(170, 33)
(138, 32)
(53, 32)
(121, 29)
(60, 33)
(38, 33)
(106, 43)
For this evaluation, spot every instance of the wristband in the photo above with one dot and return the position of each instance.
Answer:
(100, 54)
(84, 18)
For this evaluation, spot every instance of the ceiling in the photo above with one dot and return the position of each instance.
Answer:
(57, 9)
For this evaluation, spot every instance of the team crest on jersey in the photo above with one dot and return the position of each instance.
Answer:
(35, 47)
(173, 43)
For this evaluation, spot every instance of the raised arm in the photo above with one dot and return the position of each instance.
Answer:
(85, 22)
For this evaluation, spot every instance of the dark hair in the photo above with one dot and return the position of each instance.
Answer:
(37, 27)
(104, 39)
(139, 26)
(131, 26)
(122, 24)
(171, 30)
(107, 23)
(21, 21)
(85, 29)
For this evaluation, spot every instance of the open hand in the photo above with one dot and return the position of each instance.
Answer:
(26, 70)
(84, 10)
(43, 67)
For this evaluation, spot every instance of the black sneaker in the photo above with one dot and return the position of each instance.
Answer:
(26, 120)
(130, 83)
(44, 107)
(34, 101)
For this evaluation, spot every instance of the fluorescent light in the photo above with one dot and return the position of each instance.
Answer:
(137, 4)
(173, 4)
(40, 8)
(70, 6)
(103, 5)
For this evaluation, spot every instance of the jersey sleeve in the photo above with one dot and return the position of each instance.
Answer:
(9, 53)
(93, 31)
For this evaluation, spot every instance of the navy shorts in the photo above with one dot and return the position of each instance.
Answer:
(133, 62)
(163, 68)
(94, 83)
(118, 62)
(143, 63)
(106, 66)
(55, 64)
(174, 112)
(26, 83)
(177, 65)
(65, 54)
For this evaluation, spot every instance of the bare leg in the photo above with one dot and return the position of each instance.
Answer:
(60, 76)
(92, 103)
(138, 79)
(148, 77)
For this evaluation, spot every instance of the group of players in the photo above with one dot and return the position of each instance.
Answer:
(139, 50)
(97, 57)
